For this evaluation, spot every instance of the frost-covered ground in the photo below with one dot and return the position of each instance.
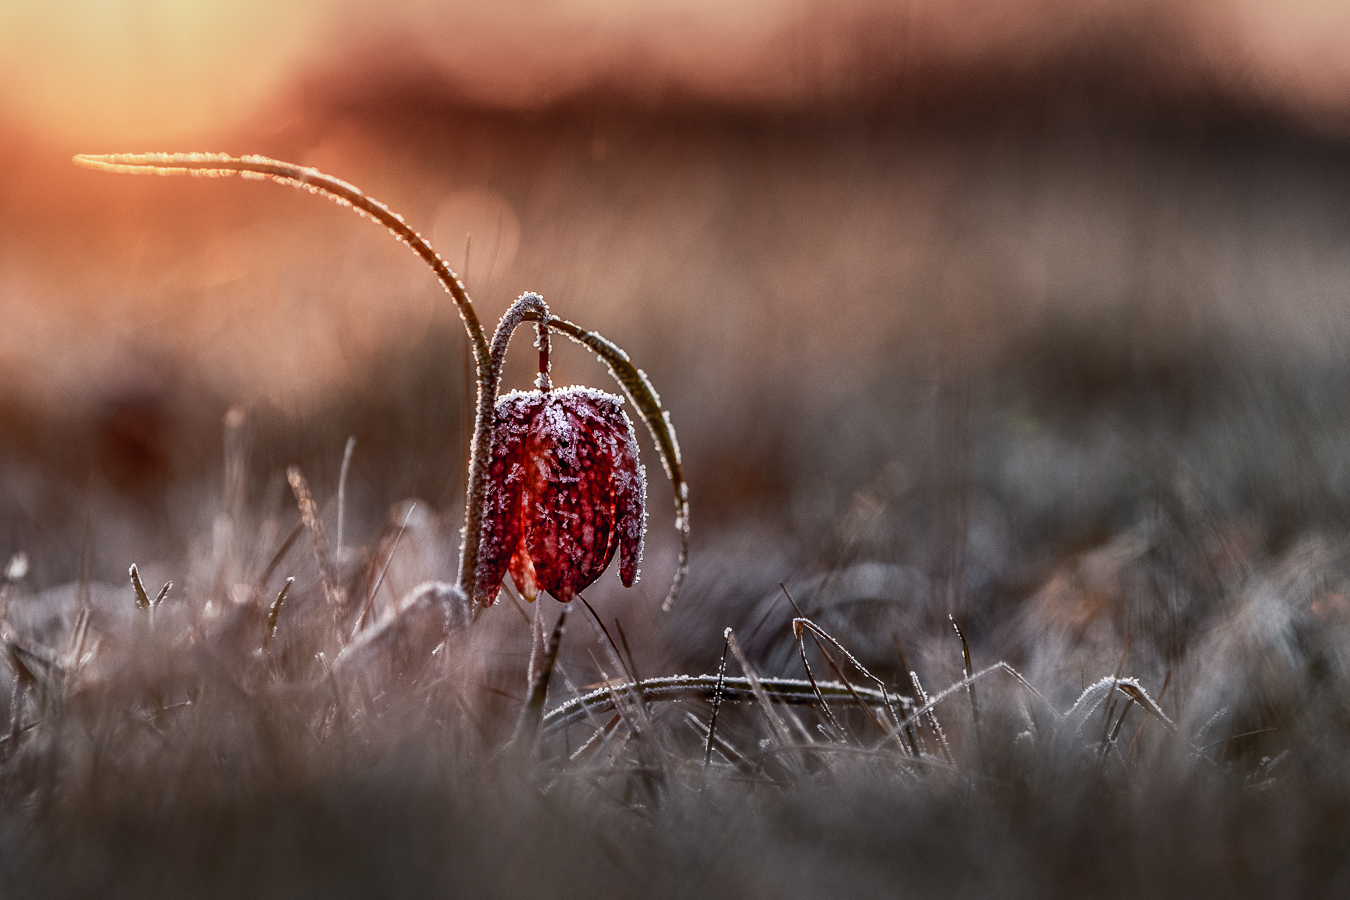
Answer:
(1076, 378)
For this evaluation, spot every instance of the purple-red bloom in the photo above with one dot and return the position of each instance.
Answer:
(565, 490)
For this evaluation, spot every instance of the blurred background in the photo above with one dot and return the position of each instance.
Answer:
(964, 289)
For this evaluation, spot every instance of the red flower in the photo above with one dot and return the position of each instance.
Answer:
(565, 490)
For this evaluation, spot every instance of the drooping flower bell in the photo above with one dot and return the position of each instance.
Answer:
(565, 491)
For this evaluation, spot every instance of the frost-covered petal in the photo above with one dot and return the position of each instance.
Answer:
(568, 503)
(630, 494)
(501, 509)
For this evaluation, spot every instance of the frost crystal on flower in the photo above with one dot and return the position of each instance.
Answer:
(565, 490)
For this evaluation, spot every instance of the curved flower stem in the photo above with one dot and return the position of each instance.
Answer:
(217, 165)
(529, 307)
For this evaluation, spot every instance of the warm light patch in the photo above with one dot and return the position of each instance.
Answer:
(483, 221)
(1300, 50)
(144, 71)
